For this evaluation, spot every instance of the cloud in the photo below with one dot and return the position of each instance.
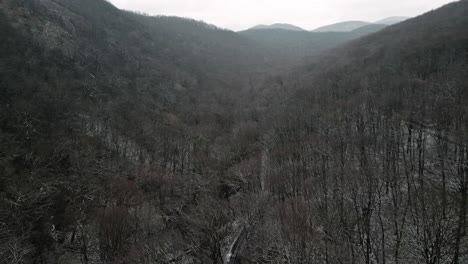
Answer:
(309, 14)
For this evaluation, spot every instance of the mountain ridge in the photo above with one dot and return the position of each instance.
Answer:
(345, 26)
(277, 26)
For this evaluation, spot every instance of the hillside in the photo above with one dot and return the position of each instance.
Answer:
(292, 46)
(373, 136)
(104, 110)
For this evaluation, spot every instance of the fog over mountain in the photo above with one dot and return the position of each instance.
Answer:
(392, 20)
(128, 138)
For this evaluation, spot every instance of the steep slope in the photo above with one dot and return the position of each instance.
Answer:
(346, 26)
(128, 60)
(105, 114)
(372, 136)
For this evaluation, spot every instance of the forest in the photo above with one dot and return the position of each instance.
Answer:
(127, 138)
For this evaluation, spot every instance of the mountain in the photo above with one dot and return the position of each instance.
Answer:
(392, 20)
(292, 46)
(278, 26)
(98, 102)
(348, 124)
(346, 26)
(127, 138)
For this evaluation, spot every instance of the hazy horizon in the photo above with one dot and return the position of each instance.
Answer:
(243, 14)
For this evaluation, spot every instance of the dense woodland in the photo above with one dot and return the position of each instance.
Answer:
(126, 138)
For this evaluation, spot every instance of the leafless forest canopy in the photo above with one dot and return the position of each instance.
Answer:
(126, 138)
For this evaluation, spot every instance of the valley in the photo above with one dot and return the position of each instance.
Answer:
(128, 138)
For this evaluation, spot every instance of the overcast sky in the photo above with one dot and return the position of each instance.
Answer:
(308, 14)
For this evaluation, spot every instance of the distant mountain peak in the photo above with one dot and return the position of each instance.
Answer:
(345, 26)
(279, 26)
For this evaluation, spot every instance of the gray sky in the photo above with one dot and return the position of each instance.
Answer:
(308, 14)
